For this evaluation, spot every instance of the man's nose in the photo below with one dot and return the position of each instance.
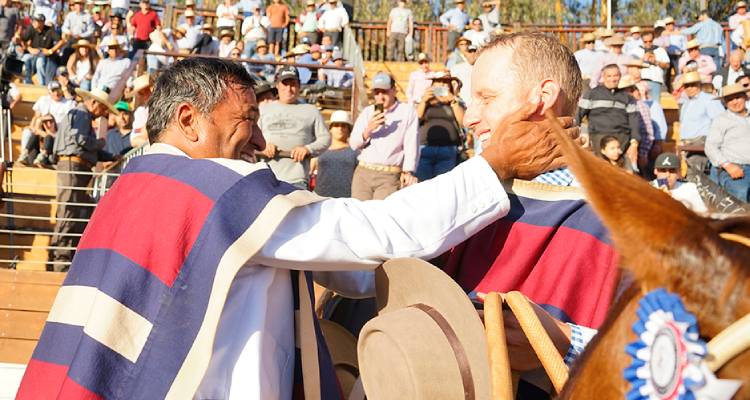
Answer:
(471, 117)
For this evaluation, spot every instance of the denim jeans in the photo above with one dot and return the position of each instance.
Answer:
(435, 160)
(655, 89)
(249, 48)
(39, 64)
(739, 188)
(713, 52)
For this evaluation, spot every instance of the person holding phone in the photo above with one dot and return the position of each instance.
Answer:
(386, 136)
(667, 172)
(440, 132)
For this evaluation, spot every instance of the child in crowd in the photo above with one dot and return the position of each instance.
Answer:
(334, 168)
(611, 151)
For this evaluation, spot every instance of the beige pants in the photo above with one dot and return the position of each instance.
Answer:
(374, 185)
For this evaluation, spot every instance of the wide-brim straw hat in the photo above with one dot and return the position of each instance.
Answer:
(625, 82)
(463, 39)
(425, 324)
(226, 32)
(731, 90)
(668, 20)
(616, 40)
(141, 82)
(112, 42)
(99, 95)
(83, 43)
(189, 13)
(691, 77)
(635, 29)
(207, 27)
(342, 346)
(692, 44)
(588, 37)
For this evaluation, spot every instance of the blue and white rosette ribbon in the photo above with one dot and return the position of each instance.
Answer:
(668, 353)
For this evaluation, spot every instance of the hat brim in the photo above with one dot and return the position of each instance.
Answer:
(89, 45)
(403, 282)
(86, 94)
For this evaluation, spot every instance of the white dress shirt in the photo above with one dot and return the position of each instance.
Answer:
(253, 352)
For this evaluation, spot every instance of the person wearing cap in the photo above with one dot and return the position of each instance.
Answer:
(337, 78)
(735, 20)
(588, 59)
(455, 20)
(333, 21)
(706, 65)
(197, 196)
(633, 40)
(476, 34)
(656, 59)
(697, 110)
(8, 22)
(307, 23)
(334, 169)
(490, 16)
(227, 14)
(118, 138)
(710, 36)
(728, 143)
(279, 16)
(142, 23)
(54, 104)
(667, 173)
(418, 80)
(109, 70)
(78, 23)
(399, 26)
(388, 142)
(42, 44)
(82, 64)
(614, 56)
(289, 125)
(253, 31)
(76, 148)
(461, 54)
(265, 92)
(68, 88)
(611, 111)
(265, 71)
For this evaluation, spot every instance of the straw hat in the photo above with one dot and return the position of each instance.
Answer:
(99, 95)
(636, 62)
(616, 40)
(692, 44)
(181, 29)
(740, 4)
(207, 27)
(659, 24)
(300, 49)
(606, 33)
(588, 37)
(310, 3)
(226, 32)
(113, 43)
(463, 39)
(733, 89)
(261, 43)
(668, 20)
(189, 13)
(691, 77)
(635, 29)
(189, 3)
(625, 82)
(425, 324)
(341, 116)
(141, 82)
(83, 43)
(343, 348)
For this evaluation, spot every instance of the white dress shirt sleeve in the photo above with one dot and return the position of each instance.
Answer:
(423, 220)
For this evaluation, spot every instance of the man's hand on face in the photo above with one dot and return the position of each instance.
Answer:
(270, 150)
(524, 149)
(299, 153)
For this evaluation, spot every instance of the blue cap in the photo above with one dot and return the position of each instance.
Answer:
(382, 81)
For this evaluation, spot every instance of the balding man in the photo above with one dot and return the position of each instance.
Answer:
(728, 75)
(197, 296)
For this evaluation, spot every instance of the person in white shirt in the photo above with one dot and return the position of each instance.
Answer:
(110, 70)
(78, 23)
(400, 25)
(333, 21)
(418, 80)
(633, 41)
(658, 61)
(254, 29)
(735, 20)
(227, 14)
(666, 169)
(476, 34)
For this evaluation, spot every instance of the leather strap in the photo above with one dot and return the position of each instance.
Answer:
(458, 350)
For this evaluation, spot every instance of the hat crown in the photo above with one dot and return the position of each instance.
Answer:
(341, 116)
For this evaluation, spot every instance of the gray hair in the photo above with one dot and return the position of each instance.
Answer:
(201, 82)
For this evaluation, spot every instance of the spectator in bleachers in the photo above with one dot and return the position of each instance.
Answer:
(119, 7)
(227, 42)
(316, 53)
(639, 93)
(602, 39)
(82, 64)
(78, 23)
(728, 143)
(8, 22)
(735, 23)
(207, 44)
(611, 111)
(118, 138)
(76, 148)
(289, 125)
(248, 6)
(278, 15)
(386, 135)
(301, 54)
(49, 8)
(614, 56)
(610, 149)
(635, 68)
(588, 59)
(338, 78)
(143, 22)
(418, 80)
(335, 167)
(475, 33)
(633, 41)
(657, 59)
(40, 144)
(333, 21)
(42, 44)
(327, 50)
(116, 32)
(399, 26)
(675, 44)
(490, 16)
(189, 21)
(710, 36)
(254, 30)
(667, 172)
(728, 75)
(62, 77)
(706, 65)
(109, 70)
(697, 110)
(455, 20)
(161, 42)
(265, 92)
(226, 13)
(440, 113)
(190, 9)
(265, 71)
(462, 53)
(307, 23)
(463, 72)
(54, 104)
(141, 93)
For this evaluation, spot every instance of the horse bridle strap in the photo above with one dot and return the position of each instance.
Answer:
(458, 349)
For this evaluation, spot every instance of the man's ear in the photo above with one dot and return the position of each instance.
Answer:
(187, 122)
(548, 94)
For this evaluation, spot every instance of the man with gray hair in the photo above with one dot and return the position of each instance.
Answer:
(187, 281)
